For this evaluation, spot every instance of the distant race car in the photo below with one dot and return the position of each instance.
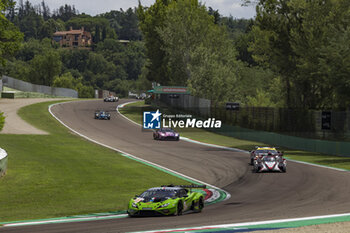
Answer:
(270, 162)
(111, 99)
(167, 200)
(166, 133)
(102, 115)
(261, 151)
(141, 96)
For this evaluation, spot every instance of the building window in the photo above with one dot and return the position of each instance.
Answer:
(57, 38)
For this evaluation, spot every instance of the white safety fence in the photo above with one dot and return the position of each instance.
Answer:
(3, 162)
(29, 87)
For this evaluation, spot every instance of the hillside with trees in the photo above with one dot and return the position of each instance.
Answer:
(108, 64)
(294, 53)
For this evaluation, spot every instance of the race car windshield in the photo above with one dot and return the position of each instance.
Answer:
(269, 158)
(167, 130)
(266, 151)
(158, 193)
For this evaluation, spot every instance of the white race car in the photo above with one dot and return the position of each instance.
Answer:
(111, 99)
(262, 151)
(270, 162)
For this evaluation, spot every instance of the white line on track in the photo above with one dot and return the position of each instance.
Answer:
(63, 220)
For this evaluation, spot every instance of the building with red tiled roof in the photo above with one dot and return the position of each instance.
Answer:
(73, 38)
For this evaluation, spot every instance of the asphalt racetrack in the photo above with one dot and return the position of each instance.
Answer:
(301, 192)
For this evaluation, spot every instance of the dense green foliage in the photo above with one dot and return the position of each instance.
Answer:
(295, 53)
(192, 46)
(125, 24)
(307, 44)
(10, 37)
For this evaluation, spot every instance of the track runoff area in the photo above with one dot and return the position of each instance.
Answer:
(213, 195)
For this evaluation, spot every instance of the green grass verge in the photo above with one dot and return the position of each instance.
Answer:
(61, 174)
(134, 112)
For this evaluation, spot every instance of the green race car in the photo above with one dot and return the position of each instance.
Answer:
(167, 200)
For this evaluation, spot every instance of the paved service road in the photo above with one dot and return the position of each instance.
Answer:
(303, 191)
(13, 123)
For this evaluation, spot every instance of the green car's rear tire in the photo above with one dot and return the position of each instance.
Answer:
(199, 205)
(130, 215)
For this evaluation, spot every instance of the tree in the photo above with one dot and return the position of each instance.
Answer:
(45, 10)
(28, 20)
(211, 76)
(68, 81)
(151, 20)
(129, 57)
(10, 37)
(199, 51)
(186, 26)
(75, 59)
(292, 37)
(45, 67)
(65, 12)
(334, 64)
(125, 23)
(271, 46)
(49, 27)
(17, 69)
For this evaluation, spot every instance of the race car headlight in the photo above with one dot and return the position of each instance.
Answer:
(176, 134)
(134, 205)
(165, 205)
